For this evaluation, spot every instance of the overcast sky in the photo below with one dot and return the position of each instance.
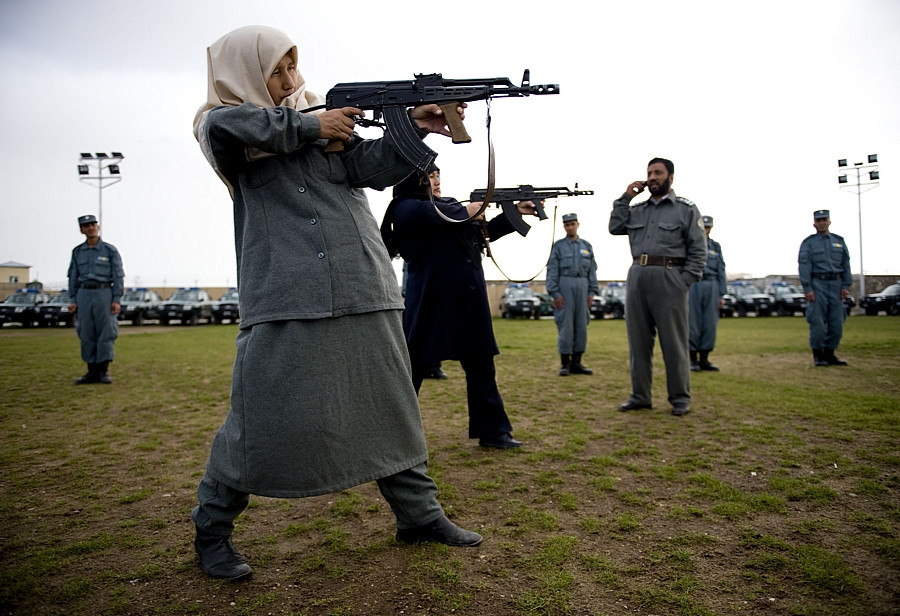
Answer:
(753, 101)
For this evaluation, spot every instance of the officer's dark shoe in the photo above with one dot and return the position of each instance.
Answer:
(218, 557)
(695, 366)
(103, 374)
(631, 405)
(704, 362)
(441, 530)
(680, 409)
(504, 441)
(576, 367)
(832, 360)
(89, 377)
(438, 373)
(819, 358)
(564, 369)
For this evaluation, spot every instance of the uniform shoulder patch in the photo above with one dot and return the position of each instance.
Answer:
(685, 201)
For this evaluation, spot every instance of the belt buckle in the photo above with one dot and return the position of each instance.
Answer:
(667, 262)
(644, 259)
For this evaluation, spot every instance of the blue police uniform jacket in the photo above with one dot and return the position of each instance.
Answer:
(715, 265)
(574, 259)
(824, 253)
(99, 263)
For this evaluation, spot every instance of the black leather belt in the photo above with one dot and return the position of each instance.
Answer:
(95, 285)
(710, 277)
(646, 259)
(828, 275)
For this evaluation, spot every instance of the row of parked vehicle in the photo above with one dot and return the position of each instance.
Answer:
(742, 298)
(188, 306)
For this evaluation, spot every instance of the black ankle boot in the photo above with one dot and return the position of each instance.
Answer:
(102, 373)
(704, 362)
(695, 365)
(565, 360)
(831, 359)
(89, 377)
(819, 358)
(576, 368)
(218, 557)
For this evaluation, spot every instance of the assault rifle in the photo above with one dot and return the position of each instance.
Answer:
(525, 192)
(390, 100)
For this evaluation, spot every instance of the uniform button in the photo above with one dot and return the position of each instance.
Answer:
(313, 221)
(321, 255)
(302, 189)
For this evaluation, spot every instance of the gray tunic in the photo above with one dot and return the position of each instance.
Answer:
(658, 295)
(322, 397)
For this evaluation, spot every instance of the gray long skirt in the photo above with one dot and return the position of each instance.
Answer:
(319, 406)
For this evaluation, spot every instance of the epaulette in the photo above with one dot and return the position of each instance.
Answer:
(685, 201)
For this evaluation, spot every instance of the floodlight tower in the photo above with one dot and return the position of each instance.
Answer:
(99, 162)
(872, 168)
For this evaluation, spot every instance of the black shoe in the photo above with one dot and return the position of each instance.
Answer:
(576, 366)
(90, 377)
(695, 366)
(631, 405)
(832, 360)
(441, 530)
(439, 374)
(504, 441)
(564, 369)
(218, 557)
(103, 377)
(705, 365)
(819, 358)
(680, 409)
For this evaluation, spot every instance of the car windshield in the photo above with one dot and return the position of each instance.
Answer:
(746, 289)
(517, 293)
(894, 289)
(618, 292)
(230, 296)
(61, 298)
(133, 296)
(185, 296)
(787, 290)
(21, 298)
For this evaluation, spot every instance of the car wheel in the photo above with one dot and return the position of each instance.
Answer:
(894, 310)
(164, 321)
(194, 319)
(618, 312)
(741, 311)
(871, 312)
(138, 319)
(784, 312)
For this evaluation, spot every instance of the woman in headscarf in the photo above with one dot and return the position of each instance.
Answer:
(322, 398)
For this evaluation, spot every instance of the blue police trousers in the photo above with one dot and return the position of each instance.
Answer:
(97, 327)
(826, 315)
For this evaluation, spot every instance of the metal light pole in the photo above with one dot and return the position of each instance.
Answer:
(872, 168)
(97, 163)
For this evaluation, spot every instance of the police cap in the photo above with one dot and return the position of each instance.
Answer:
(707, 221)
(570, 217)
(86, 219)
(821, 214)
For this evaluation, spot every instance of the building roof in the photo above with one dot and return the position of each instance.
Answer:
(13, 264)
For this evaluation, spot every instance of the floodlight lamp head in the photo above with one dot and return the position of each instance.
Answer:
(842, 162)
(842, 179)
(873, 158)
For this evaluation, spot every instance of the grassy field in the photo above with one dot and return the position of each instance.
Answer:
(779, 494)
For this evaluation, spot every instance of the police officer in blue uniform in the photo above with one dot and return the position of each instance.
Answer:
(825, 275)
(96, 281)
(572, 281)
(704, 301)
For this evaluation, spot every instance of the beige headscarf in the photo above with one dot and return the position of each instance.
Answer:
(239, 65)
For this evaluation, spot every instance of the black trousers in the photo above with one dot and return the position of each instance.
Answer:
(487, 417)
